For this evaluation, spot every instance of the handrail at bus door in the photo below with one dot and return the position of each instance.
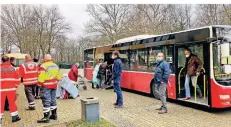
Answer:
(179, 79)
(195, 85)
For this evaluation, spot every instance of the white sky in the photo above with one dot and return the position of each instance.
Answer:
(76, 16)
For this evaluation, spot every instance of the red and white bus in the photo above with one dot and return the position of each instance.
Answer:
(212, 44)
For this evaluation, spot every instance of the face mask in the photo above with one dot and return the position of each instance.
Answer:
(113, 57)
(186, 56)
(158, 59)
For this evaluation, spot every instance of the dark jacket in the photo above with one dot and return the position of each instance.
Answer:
(162, 72)
(117, 70)
(102, 69)
(13, 64)
(193, 65)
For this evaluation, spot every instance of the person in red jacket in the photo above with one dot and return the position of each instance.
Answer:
(9, 81)
(73, 74)
(29, 72)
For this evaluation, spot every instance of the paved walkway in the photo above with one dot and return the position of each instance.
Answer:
(139, 111)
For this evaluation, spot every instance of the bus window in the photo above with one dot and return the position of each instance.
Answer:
(222, 63)
(138, 60)
(196, 49)
(152, 56)
(124, 59)
(169, 57)
(89, 58)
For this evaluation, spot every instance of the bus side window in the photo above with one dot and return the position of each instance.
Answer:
(152, 56)
(139, 59)
(169, 57)
(124, 59)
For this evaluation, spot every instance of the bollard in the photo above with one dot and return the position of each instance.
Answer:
(90, 109)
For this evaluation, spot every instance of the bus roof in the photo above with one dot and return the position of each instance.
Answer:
(147, 37)
(17, 55)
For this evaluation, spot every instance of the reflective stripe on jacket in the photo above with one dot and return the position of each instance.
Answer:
(29, 72)
(9, 77)
(49, 75)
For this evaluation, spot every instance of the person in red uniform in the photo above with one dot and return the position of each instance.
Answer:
(29, 72)
(9, 81)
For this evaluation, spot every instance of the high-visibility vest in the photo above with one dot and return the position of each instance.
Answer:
(29, 72)
(9, 77)
(49, 75)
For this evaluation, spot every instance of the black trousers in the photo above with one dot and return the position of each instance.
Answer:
(6, 104)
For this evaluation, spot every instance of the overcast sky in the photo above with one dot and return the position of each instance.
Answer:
(76, 15)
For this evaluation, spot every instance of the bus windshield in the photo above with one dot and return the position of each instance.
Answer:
(222, 59)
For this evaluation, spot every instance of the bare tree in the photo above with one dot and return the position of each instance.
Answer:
(178, 18)
(109, 20)
(227, 13)
(209, 14)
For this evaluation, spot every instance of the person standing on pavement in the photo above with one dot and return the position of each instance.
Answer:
(36, 90)
(12, 61)
(29, 72)
(48, 78)
(161, 75)
(116, 74)
(9, 81)
(193, 67)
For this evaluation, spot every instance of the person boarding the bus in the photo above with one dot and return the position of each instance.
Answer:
(48, 78)
(116, 74)
(9, 81)
(161, 75)
(193, 67)
(29, 72)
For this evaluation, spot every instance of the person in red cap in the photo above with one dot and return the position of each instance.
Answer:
(9, 81)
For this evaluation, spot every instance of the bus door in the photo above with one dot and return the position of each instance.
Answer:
(202, 52)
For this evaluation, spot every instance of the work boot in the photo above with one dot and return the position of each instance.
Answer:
(15, 118)
(119, 106)
(115, 104)
(30, 108)
(53, 114)
(45, 119)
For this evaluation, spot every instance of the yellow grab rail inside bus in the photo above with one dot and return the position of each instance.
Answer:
(195, 86)
(179, 78)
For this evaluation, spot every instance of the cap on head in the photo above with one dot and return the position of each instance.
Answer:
(47, 57)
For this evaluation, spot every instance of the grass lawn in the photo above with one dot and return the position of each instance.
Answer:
(81, 123)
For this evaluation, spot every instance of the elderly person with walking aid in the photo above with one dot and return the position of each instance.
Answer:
(193, 67)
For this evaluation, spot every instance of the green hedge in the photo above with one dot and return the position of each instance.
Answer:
(68, 65)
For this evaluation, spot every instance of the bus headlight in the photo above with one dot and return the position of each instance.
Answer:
(224, 97)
